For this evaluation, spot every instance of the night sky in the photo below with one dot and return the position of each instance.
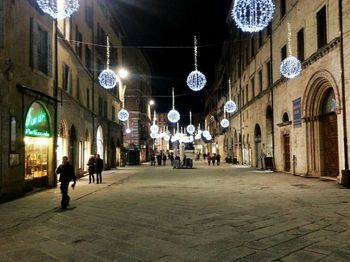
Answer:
(164, 24)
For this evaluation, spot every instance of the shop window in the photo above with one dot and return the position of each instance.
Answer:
(37, 140)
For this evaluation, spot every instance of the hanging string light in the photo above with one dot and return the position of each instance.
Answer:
(252, 15)
(173, 115)
(190, 128)
(291, 66)
(127, 130)
(205, 133)
(58, 9)
(123, 115)
(154, 128)
(230, 106)
(108, 79)
(208, 137)
(224, 122)
(196, 80)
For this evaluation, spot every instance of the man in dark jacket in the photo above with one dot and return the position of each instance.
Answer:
(99, 168)
(66, 172)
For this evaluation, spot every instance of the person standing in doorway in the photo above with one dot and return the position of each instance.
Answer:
(66, 172)
(91, 169)
(98, 168)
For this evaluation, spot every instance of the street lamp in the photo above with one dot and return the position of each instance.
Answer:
(123, 73)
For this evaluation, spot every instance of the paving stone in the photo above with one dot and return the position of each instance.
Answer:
(303, 255)
(224, 213)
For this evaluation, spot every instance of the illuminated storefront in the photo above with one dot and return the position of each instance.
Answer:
(37, 138)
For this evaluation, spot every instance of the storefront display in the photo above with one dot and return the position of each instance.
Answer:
(37, 140)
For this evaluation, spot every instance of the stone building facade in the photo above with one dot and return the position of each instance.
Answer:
(138, 94)
(297, 125)
(51, 102)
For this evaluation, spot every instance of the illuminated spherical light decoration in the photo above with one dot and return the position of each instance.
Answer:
(190, 129)
(154, 128)
(108, 79)
(290, 67)
(230, 106)
(196, 80)
(173, 116)
(153, 135)
(128, 130)
(123, 115)
(199, 132)
(209, 137)
(166, 137)
(252, 15)
(198, 136)
(224, 123)
(205, 133)
(173, 139)
(58, 9)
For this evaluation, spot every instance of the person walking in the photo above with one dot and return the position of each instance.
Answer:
(209, 159)
(218, 158)
(66, 172)
(213, 159)
(98, 169)
(164, 159)
(91, 169)
(153, 160)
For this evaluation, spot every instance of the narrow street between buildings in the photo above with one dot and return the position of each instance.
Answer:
(156, 213)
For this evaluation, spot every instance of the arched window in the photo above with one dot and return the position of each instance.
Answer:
(285, 118)
(329, 102)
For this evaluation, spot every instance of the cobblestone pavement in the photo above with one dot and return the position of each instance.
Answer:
(145, 213)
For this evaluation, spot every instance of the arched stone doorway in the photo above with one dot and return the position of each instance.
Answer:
(87, 149)
(257, 142)
(286, 144)
(269, 131)
(329, 136)
(320, 104)
(99, 142)
(62, 142)
(113, 153)
(72, 145)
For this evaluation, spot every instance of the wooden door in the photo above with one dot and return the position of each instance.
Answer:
(286, 152)
(330, 145)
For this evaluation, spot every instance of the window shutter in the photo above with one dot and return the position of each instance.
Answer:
(70, 81)
(2, 21)
(34, 43)
(49, 54)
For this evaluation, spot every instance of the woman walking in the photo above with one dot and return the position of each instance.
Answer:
(91, 169)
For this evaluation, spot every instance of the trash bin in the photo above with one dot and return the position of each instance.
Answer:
(133, 157)
(268, 162)
(345, 178)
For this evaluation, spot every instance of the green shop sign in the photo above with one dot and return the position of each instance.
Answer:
(37, 122)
